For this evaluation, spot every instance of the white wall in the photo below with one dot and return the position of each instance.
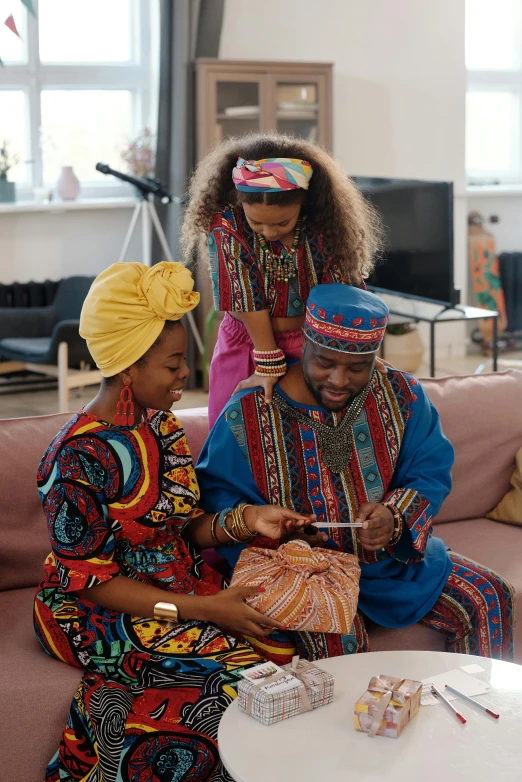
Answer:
(51, 245)
(399, 84)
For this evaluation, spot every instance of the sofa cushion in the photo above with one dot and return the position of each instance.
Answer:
(509, 509)
(482, 416)
(384, 639)
(35, 692)
(195, 424)
(24, 541)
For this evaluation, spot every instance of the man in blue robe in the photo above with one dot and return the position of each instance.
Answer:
(350, 442)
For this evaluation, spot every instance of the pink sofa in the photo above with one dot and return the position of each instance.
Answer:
(481, 415)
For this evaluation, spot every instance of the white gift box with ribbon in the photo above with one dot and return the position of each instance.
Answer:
(270, 693)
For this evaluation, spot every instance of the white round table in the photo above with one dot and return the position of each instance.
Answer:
(323, 746)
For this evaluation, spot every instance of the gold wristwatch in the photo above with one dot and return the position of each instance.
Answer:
(166, 611)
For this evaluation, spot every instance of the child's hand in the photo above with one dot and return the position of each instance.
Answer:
(256, 381)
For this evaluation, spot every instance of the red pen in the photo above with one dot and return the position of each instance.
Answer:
(438, 694)
(473, 701)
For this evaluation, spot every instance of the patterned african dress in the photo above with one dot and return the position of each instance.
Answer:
(117, 501)
(241, 282)
(400, 456)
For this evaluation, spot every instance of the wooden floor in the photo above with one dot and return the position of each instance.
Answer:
(38, 402)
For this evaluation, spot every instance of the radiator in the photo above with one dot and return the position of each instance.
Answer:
(511, 277)
(28, 294)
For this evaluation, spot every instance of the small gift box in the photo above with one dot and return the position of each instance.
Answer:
(271, 694)
(387, 706)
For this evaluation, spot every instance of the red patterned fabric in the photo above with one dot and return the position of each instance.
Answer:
(239, 281)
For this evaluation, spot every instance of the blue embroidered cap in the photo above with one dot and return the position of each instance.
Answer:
(345, 318)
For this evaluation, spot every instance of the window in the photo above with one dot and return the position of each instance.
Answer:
(494, 92)
(75, 88)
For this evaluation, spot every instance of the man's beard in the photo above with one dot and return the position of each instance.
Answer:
(315, 391)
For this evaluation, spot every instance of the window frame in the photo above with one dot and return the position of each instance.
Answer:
(500, 80)
(33, 77)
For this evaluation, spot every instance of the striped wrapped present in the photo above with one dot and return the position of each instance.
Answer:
(271, 694)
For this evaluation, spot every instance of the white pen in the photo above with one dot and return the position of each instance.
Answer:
(443, 698)
(473, 701)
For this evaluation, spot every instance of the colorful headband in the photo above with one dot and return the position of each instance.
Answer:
(344, 318)
(272, 174)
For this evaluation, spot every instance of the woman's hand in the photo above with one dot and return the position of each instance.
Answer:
(228, 610)
(275, 521)
(256, 381)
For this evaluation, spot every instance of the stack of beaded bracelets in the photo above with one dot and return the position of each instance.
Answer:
(270, 363)
(238, 532)
(398, 523)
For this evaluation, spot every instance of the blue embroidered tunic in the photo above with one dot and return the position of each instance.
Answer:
(255, 453)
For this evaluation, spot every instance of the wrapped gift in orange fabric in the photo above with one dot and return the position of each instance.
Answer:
(311, 589)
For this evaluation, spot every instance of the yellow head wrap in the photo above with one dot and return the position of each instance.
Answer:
(126, 308)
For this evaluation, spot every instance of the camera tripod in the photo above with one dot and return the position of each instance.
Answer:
(148, 188)
(149, 219)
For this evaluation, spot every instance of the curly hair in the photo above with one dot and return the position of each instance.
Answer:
(334, 207)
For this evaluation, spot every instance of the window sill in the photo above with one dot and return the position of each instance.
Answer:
(487, 191)
(19, 207)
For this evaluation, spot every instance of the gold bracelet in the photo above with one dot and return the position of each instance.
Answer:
(213, 528)
(166, 611)
(239, 527)
(229, 531)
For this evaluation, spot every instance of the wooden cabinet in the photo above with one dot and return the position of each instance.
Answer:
(235, 97)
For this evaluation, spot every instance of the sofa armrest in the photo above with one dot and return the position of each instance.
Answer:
(26, 322)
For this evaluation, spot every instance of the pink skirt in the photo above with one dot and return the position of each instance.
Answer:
(233, 362)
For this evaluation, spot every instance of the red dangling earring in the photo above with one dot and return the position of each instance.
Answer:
(125, 407)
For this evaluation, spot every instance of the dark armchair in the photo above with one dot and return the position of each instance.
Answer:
(47, 339)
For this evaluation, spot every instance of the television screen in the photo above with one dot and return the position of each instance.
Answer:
(417, 260)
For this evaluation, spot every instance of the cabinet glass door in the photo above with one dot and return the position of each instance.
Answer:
(238, 108)
(297, 109)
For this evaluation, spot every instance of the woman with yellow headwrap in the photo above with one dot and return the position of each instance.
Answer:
(126, 595)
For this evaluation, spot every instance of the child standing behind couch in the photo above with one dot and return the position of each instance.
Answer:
(281, 216)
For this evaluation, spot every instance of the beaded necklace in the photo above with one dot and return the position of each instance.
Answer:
(281, 266)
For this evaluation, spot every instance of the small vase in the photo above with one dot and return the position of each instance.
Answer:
(68, 184)
(404, 351)
(7, 191)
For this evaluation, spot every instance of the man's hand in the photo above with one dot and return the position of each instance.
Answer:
(378, 526)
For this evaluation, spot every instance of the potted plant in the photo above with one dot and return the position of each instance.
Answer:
(140, 154)
(403, 347)
(7, 160)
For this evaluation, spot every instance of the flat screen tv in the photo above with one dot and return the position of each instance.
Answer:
(417, 260)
